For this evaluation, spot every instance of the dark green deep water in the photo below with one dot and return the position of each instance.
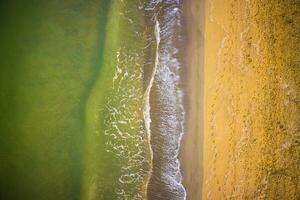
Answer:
(50, 55)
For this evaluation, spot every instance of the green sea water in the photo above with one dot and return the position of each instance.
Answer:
(116, 164)
(57, 63)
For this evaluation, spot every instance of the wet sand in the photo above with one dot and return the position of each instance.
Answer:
(192, 142)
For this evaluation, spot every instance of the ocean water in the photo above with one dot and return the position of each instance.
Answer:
(144, 111)
(136, 106)
(92, 101)
(166, 101)
(50, 53)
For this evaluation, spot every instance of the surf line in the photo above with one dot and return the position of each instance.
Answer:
(147, 117)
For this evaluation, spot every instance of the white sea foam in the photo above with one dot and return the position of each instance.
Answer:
(126, 129)
(167, 16)
(147, 117)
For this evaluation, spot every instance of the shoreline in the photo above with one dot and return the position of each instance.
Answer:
(191, 152)
(167, 111)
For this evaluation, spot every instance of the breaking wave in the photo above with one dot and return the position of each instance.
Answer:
(167, 109)
(150, 118)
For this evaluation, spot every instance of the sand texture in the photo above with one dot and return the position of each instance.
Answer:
(251, 91)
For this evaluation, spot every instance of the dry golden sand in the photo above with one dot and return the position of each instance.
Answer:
(251, 101)
(191, 149)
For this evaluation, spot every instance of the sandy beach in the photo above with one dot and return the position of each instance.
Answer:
(192, 143)
(251, 100)
(242, 118)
